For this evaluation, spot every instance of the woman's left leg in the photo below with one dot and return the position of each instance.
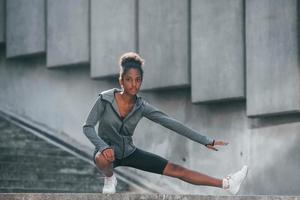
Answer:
(156, 164)
(190, 176)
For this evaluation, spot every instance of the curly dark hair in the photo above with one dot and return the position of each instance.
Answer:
(131, 60)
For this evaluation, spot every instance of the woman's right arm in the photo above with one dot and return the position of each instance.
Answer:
(89, 125)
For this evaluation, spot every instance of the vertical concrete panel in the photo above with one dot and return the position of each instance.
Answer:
(113, 32)
(163, 42)
(217, 44)
(25, 27)
(67, 32)
(2, 21)
(273, 75)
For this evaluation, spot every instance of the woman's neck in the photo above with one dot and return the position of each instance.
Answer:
(127, 97)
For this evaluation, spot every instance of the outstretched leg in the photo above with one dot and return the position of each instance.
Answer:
(190, 176)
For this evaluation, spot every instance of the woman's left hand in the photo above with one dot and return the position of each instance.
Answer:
(217, 142)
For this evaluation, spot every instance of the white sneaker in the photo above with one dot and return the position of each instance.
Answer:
(233, 182)
(110, 184)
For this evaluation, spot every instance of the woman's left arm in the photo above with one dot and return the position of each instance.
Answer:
(163, 119)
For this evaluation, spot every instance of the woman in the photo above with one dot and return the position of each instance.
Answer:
(118, 112)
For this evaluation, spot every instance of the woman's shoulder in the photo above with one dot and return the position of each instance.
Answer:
(109, 91)
(144, 102)
(109, 94)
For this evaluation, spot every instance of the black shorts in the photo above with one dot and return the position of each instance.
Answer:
(142, 160)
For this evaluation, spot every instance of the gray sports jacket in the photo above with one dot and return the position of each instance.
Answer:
(117, 133)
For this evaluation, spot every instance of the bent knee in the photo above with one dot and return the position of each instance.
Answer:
(101, 161)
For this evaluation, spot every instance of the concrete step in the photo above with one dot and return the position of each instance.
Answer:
(16, 139)
(130, 196)
(14, 131)
(16, 134)
(62, 160)
(59, 177)
(29, 151)
(15, 167)
(26, 144)
(33, 190)
(53, 185)
(36, 162)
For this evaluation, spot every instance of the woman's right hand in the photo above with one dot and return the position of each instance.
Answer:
(109, 154)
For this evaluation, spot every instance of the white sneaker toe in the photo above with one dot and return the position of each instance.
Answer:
(110, 184)
(235, 180)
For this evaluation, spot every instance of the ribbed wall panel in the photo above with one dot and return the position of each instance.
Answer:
(2, 21)
(113, 32)
(163, 42)
(273, 73)
(217, 43)
(67, 32)
(25, 27)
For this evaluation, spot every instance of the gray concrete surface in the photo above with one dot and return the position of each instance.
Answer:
(25, 27)
(61, 100)
(113, 32)
(2, 20)
(67, 32)
(57, 196)
(273, 81)
(163, 42)
(217, 43)
(70, 94)
(275, 157)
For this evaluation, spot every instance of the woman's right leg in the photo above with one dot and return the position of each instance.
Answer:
(104, 165)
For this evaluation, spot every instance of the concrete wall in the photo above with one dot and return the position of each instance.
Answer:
(61, 98)
(273, 80)
(163, 42)
(25, 27)
(2, 20)
(67, 32)
(217, 74)
(113, 32)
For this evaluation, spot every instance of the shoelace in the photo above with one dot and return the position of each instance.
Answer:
(227, 178)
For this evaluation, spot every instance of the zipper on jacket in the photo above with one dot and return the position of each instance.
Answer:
(123, 140)
(120, 130)
(123, 121)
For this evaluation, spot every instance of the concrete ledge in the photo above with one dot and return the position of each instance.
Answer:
(127, 196)
(163, 43)
(67, 39)
(25, 28)
(2, 21)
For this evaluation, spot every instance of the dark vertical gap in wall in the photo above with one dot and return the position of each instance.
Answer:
(3, 43)
(189, 47)
(137, 25)
(245, 47)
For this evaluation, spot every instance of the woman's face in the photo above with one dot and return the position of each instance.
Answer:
(131, 81)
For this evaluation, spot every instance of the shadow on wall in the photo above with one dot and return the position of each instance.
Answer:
(274, 120)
